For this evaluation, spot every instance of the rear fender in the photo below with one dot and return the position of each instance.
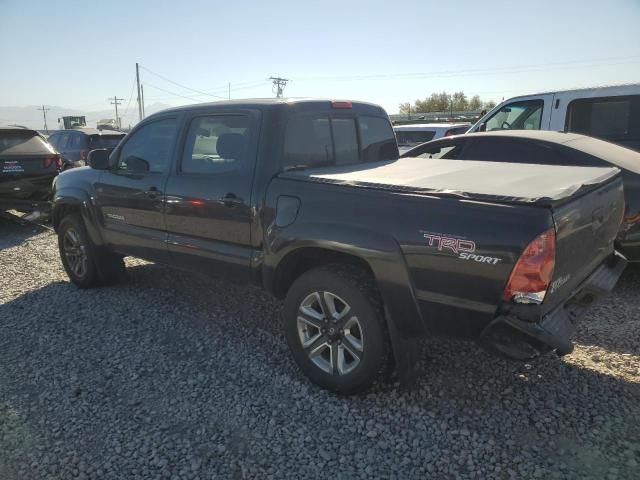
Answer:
(383, 255)
(81, 201)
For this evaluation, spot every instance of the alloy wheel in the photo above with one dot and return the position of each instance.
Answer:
(75, 252)
(330, 334)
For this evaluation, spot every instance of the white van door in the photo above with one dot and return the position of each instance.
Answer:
(521, 113)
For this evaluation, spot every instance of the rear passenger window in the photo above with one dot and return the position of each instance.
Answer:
(76, 142)
(216, 143)
(615, 119)
(445, 151)
(498, 150)
(63, 142)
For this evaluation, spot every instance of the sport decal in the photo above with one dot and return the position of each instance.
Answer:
(463, 248)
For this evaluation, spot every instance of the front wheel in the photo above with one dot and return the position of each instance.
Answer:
(335, 328)
(86, 265)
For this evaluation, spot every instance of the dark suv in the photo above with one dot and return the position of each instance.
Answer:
(75, 145)
(28, 166)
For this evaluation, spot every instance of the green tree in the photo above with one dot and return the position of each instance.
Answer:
(459, 102)
(405, 107)
(475, 103)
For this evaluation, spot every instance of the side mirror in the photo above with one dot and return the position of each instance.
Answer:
(98, 159)
(137, 164)
(482, 127)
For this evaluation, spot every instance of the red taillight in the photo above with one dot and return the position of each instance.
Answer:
(341, 104)
(533, 272)
(84, 154)
(48, 161)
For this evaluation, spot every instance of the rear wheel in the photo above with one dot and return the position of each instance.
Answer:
(86, 265)
(335, 328)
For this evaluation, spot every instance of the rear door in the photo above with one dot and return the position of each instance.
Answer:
(130, 196)
(208, 196)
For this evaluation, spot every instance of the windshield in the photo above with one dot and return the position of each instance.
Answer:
(408, 137)
(101, 141)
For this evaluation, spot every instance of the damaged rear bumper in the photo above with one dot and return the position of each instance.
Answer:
(516, 336)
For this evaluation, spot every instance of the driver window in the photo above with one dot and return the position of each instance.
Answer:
(149, 148)
(216, 143)
(525, 115)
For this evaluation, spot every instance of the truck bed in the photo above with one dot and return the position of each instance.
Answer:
(472, 180)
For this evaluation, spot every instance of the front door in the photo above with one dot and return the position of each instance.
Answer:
(208, 199)
(130, 196)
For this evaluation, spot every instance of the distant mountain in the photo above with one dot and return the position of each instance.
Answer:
(31, 117)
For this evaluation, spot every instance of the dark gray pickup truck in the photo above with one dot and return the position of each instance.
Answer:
(308, 199)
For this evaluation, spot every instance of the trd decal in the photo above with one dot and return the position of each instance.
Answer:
(463, 248)
(456, 245)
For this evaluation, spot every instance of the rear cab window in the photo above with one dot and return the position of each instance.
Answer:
(616, 119)
(322, 140)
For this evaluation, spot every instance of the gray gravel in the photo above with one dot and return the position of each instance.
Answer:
(173, 375)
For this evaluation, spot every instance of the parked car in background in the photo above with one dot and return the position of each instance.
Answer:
(309, 199)
(551, 148)
(107, 124)
(28, 165)
(75, 145)
(609, 113)
(411, 135)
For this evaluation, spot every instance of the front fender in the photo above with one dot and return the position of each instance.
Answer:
(77, 199)
(381, 252)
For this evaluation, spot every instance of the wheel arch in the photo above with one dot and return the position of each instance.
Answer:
(72, 200)
(292, 251)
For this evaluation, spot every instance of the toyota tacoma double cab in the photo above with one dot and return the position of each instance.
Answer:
(308, 199)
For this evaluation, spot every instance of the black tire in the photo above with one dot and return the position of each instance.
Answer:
(351, 286)
(100, 267)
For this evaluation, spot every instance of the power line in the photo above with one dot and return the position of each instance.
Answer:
(171, 93)
(126, 110)
(278, 85)
(44, 114)
(495, 70)
(179, 84)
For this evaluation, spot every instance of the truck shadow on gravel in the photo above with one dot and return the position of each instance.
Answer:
(13, 234)
(614, 324)
(170, 355)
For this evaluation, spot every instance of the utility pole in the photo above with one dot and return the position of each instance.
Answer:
(116, 101)
(142, 95)
(140, 114)
(44, 114)
(278, 85)
(229, 90)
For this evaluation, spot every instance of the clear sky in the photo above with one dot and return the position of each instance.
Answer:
(77, 53)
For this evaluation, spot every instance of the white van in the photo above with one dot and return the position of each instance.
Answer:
(611, 113)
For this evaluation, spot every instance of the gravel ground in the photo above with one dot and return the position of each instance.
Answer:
(172, 375)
